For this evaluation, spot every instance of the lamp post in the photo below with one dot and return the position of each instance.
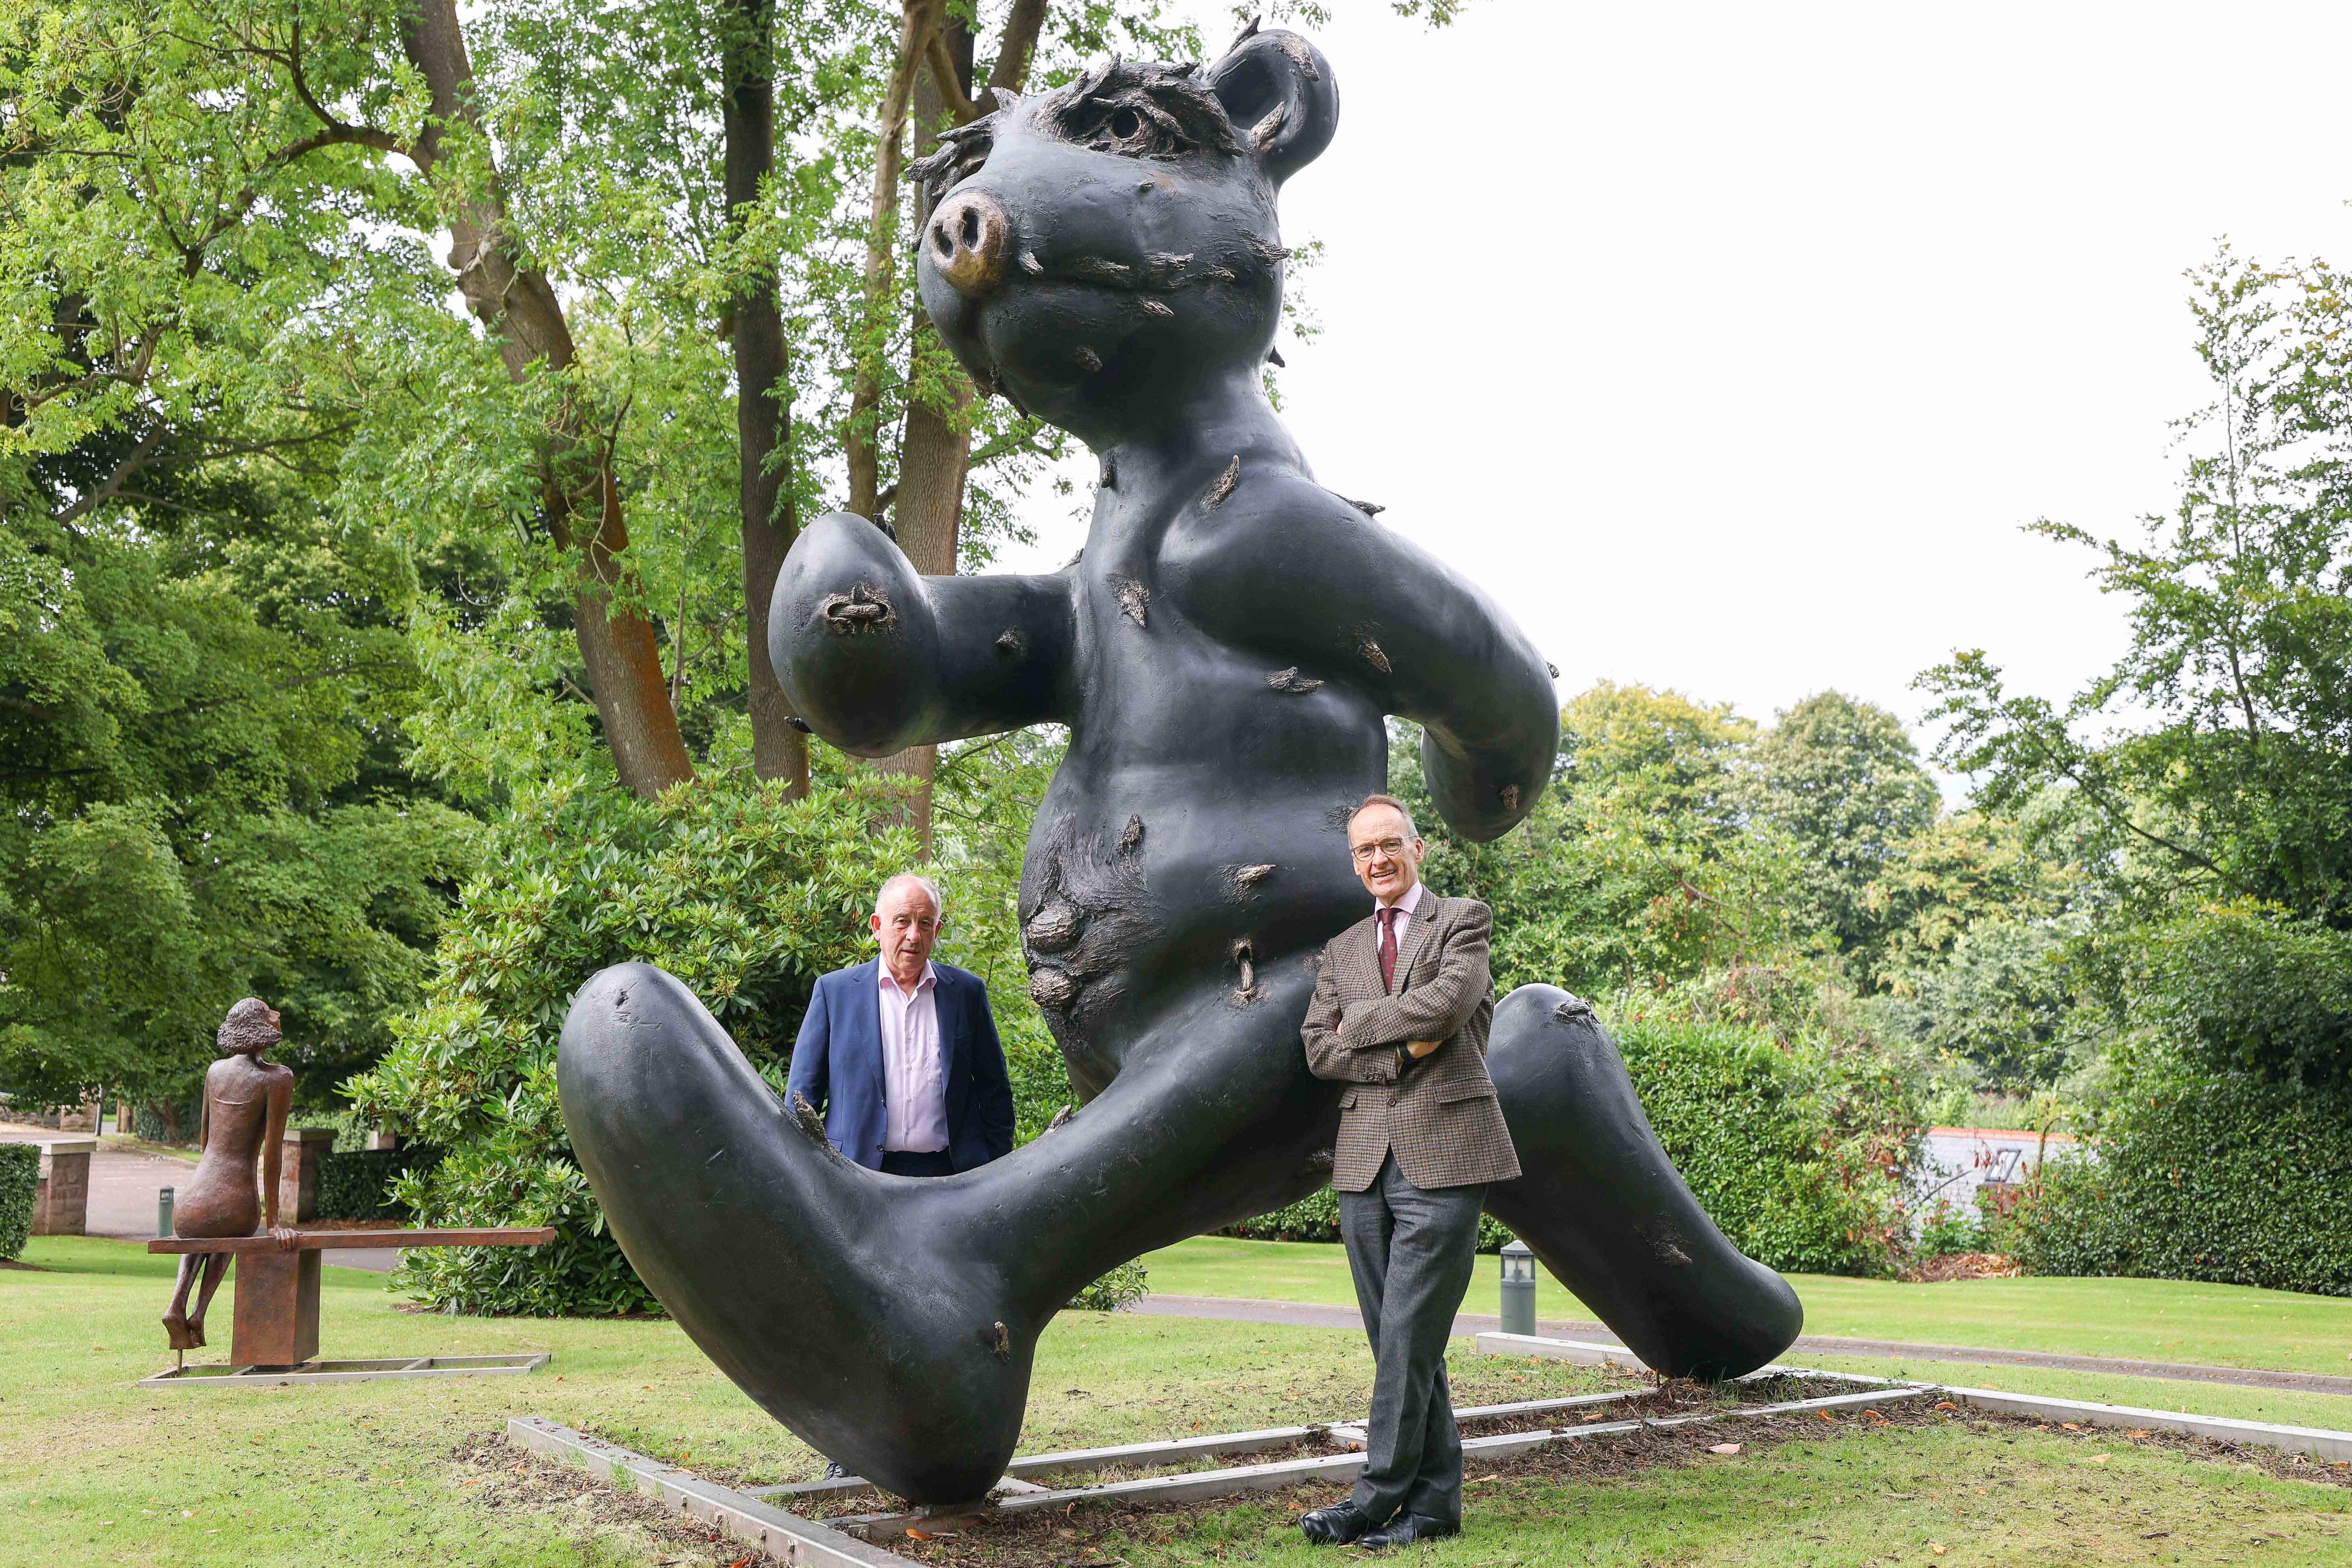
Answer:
(1518, 1288)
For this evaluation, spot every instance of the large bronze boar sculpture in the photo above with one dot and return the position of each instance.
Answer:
(1225, 652)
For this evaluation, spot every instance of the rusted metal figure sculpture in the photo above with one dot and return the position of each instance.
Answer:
(1225, 652)
(240, 1128)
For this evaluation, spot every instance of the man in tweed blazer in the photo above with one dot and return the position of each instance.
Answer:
(1402, 1001)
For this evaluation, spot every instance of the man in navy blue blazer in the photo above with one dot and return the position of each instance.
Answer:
(901, 1053)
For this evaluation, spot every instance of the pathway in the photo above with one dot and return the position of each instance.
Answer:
(1314, 1315)
(123, 1183)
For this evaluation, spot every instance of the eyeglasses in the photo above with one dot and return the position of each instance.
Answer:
(1364, 853)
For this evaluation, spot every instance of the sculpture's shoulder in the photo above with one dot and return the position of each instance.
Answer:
(1253, 519)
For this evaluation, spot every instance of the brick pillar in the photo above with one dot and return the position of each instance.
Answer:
(298, 1174)
(61, 1194)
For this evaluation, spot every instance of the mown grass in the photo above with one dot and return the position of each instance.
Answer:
(2147, 1319)
(92, 1469)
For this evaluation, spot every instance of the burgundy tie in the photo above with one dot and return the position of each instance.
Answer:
(1388, 947)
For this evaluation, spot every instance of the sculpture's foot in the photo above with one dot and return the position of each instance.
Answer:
(184, 1335)
(1599, 1202)
(885, 1332)
(888, 1322)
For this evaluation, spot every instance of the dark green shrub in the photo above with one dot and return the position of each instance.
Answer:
(20, 1176)
(358, 1184)
(1950, 1229)
(1792, 1150)
(2240, 988)
(744, 895)
(2226, 1179)
(148, 1121)
(1122, 1286)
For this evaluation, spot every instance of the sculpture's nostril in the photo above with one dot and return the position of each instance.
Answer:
(969, 235)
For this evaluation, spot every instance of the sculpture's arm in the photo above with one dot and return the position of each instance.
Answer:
(1328, 1054)
(876, 657)
(1306, 577)
(1437, 1008)
(273, 1152)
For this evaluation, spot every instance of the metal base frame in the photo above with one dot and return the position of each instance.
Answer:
(750, 1515)
(222, 1375)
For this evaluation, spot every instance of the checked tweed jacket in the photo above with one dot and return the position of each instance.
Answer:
(1440, 1118)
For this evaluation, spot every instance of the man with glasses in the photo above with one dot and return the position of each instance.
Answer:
(1402, 1001)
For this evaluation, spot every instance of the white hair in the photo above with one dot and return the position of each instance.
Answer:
(938, 899)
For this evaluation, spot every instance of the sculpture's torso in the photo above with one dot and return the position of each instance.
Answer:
(1199, 819)
(224, 1198)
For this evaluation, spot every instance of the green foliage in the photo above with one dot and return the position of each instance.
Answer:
(1122, 1286)
(2210, 760)
(2219, 1177)
(1950, 1229)
(360, 1184)
(2002, 1001)
(1842, 781)
(1637, 866)
(1792, 1147)
(2236, 988)
(20, 1177)
(198, 794)
(745, 895)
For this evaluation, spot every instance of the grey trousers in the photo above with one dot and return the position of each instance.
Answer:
(1412, 1252)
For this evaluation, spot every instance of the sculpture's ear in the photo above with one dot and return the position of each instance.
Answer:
(1280, 94)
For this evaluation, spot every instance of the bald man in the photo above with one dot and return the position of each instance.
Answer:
(900, 1053)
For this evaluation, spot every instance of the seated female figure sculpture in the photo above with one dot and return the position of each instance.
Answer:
(1224, 653)
(240, 1125)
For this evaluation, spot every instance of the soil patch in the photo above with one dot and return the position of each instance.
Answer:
(28, 1267)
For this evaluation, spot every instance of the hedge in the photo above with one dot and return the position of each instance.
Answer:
(1790, 1151)
(2226, 1179)
(358, 1184)
(20, 1176)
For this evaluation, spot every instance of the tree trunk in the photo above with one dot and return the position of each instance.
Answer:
(860, 444)
(763, 388)
(932, 449)
(519, 309)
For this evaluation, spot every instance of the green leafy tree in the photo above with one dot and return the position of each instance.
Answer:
(2209, 763)
(1638, 866)
(1842, 781)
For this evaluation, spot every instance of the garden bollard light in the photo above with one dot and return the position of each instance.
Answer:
(164, 1211)
(1518, 1288)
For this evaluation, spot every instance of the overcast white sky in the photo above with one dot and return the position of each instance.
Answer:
(1729, 345)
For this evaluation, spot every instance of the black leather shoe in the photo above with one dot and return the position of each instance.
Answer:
(1334, 1526)
(1404, 1529)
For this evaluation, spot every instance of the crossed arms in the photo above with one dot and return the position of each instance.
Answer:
(1356, 1040)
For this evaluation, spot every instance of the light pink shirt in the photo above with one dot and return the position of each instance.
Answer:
(1405, 906)
(914, 1091)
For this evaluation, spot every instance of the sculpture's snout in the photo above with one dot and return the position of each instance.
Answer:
(969, 235)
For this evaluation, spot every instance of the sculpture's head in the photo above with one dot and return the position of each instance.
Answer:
(250, 1029)
(1098, 252)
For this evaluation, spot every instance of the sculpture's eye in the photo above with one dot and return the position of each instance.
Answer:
(1135, 129)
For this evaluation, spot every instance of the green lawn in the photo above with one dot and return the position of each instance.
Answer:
(2148, 1320)
(94, 1470)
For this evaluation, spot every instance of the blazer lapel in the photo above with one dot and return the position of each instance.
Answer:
(1416, 930)
(1366, 947)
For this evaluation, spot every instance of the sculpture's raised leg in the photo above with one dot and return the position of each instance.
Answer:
(1603, 1207)
(890, 1322)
